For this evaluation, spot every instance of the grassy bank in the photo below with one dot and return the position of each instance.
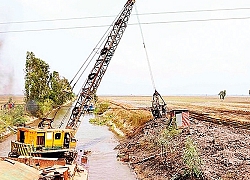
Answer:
(122, 119)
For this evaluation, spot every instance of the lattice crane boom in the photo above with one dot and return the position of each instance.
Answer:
(95, 76)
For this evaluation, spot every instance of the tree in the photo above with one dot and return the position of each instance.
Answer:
(222, 94)
(60, 90)
(44, 90)
(36, 78)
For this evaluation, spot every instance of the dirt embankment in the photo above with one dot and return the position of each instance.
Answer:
(149, 158)
(224, 150)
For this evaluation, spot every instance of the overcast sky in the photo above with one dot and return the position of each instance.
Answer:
(192, 58)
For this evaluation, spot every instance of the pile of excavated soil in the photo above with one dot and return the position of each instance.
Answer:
(148, 159)
(224, 151)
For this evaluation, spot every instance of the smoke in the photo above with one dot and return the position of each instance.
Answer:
(6, 73)
(6, 80)
(6, 65)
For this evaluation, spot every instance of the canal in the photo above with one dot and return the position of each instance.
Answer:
(102, 162)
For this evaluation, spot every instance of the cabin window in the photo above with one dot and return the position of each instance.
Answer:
(58, 136)
(49, 135)
(22, 137)
(40, 139)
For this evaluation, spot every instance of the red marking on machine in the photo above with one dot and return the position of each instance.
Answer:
(181, 117)
(185, 119)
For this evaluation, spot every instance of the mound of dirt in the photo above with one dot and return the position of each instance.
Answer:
(149, 160)
(224, 151)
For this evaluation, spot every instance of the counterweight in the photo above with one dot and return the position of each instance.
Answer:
(95, 76)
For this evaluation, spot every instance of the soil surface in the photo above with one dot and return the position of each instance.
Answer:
(223, 149)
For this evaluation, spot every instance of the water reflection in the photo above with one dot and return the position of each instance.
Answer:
(102, 160)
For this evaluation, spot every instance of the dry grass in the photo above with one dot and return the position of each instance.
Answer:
(121, 116)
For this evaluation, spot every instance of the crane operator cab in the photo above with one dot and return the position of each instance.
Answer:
(43, 142)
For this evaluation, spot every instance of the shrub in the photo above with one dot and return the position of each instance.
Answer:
(191, 159)
(166, 138)
(13, 117)
(18, 115)
(99, 121)
(45, 107)
(101, 107)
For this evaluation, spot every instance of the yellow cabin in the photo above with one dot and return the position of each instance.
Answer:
(32, 141)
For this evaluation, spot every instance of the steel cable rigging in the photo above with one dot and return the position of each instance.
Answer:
(144, 46)
(158, 108)
(83, 68)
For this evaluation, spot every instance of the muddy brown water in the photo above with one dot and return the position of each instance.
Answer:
(102, 162)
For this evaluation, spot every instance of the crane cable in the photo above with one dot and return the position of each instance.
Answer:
(92, 54)
(86, 64)
(144, 45)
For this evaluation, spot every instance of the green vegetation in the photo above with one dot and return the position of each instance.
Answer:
(191, 159)
(44, 90)
(12, 117)
(122, 118)
(166, 139)
(99, 121)
(170, 141)
(101, 107)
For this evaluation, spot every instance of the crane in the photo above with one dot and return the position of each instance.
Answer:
(49, 142)
(95, 76)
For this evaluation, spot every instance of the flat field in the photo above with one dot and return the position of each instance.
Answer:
(17, 99)
(231, 108)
